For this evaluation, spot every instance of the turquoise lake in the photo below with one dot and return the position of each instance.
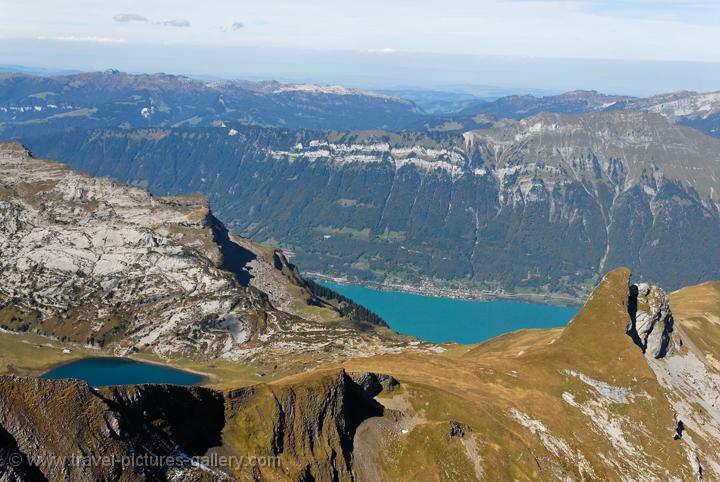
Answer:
(446, 319)
(100, 372)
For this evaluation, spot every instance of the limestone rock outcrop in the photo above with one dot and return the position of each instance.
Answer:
(88, 261)
(651, 321)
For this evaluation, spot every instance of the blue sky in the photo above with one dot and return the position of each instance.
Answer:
(176, 35)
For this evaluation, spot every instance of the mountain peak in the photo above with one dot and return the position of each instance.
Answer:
(604, 318)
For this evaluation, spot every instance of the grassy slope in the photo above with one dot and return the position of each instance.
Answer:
(525, 371)
(696, 310)
(476, 388)
(28, 353)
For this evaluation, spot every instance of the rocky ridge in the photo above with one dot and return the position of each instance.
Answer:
(66, 430)
(698, 110)
(688, 374)
(582, 403)
(92, 262)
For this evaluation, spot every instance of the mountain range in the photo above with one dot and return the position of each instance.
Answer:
(694, 109)
(32, 104)
(627, 391)
(543, 205)
(532, 195)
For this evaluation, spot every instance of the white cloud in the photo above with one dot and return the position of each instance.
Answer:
(129, 17)
(386, 50)
(174, 23)
(599, 29)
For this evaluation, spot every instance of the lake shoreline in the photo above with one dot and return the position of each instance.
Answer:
(438, 319)
(77, 352)
(205, 378)
(455, 293)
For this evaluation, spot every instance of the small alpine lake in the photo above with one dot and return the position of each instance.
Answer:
(441, 320)
(100, 372)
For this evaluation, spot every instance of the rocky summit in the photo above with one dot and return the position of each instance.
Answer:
(109, 266)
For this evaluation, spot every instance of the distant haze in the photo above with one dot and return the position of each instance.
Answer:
(655, 46)
(371, 70)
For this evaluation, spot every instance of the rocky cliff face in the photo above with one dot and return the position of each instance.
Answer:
(301, 429)
(309, 420)
(92, 262)
(545, 204)
(687, 371)
(651, 322)
(65, 430)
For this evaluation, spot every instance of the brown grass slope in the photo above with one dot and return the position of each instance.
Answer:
(579, 403)
(697, 312)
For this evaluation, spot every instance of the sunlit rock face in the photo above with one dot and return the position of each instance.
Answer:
(651, 324)
(108, 265)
